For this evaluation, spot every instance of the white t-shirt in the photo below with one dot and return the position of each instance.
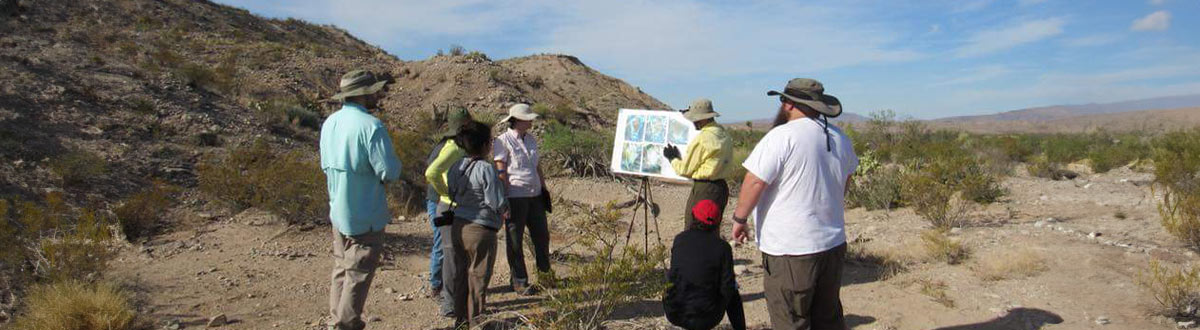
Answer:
(802, 210)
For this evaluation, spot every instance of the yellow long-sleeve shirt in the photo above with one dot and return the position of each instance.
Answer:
(435, 175)
(707, 156)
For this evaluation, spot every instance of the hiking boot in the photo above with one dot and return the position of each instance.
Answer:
(446, 304)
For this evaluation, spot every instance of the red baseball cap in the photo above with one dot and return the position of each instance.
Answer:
(706, 212)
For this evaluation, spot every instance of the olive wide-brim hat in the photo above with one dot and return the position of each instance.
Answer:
(811, 93)
(454, 121)
(700, 109)
(358, 83)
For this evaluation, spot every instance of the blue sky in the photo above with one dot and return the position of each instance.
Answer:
(924, 59)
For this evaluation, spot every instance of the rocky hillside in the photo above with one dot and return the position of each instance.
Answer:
(150, 88)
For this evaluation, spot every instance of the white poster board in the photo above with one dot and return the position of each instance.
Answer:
(642, 135)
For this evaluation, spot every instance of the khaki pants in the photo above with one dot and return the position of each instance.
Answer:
(354, 261)
(474, 256)
(803, 292)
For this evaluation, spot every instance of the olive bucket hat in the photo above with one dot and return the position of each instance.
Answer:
(811, 93)
(701, 109)
(357, 83)
(455, 119)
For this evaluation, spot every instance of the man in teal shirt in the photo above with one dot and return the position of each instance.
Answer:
(357, 158)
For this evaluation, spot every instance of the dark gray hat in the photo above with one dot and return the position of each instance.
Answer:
(811, 93)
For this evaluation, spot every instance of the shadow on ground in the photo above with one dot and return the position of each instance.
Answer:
(1019, 318)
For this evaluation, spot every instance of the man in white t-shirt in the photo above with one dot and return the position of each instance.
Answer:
(796, 186)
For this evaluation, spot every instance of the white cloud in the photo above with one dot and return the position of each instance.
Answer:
(1092, 40)
(1156, 21)
(675, 39)
(995, 40)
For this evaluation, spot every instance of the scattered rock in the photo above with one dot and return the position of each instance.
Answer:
(390, 291)
(1102, 320)
(218, 320)
(1039, 224)
(1094, 234)
(172, 325)
(955, 230)
(374, 319)
(1186, 324)
(405, 297)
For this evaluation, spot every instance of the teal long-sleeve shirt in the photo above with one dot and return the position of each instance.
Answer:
(357, 158)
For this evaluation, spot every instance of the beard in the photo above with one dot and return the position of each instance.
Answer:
(781, 117)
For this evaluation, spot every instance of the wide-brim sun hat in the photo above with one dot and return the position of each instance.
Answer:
(520, 111)
(455, 119)
(811, 93)
(701, 109)
(358, 83)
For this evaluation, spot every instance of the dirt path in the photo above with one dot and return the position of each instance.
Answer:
(264, 276)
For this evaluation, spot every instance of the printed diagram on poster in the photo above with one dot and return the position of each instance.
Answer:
(641, 137)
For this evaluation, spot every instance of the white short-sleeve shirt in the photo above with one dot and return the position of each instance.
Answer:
(520, 154)
(802, 210)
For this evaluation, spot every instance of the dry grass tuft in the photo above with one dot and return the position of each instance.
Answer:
(76, 305)
(888, 263)
(938, 246)
(936, 290)
(1010, 264)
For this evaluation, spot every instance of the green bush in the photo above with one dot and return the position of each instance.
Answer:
(1177, 177)
(935, 201)
(289, 184)
(582, 152)
(139, 214)
(79, 167)
(142, 105)
(1177, 291)
(1118, 151)
(596, 287)
(77, 305)
(878, 189)
(290, 113)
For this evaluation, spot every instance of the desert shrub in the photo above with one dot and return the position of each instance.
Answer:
(139, 214)
(54, 241)
(874, 185)
(1068, 148)
(1042, 167)
(456, 50)
(1177, 291)
(935, 200)
(1010, 264)
(290, 113)
(197, 76)
(1117, 150)
(939, 246)
(76, 305)
(596, 287)
(581, 152)
(142, 105)
(412, 146)
(287, 183)
(744, 141)
(1177, 180)
(477, 56)
(78, 167)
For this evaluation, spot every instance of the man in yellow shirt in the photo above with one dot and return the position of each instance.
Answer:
(706, 161)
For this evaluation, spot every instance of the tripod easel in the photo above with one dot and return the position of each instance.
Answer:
(644, 202)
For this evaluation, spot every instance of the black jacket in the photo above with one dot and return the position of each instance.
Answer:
(701, 278)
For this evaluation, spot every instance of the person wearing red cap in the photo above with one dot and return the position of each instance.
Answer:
(703, 287)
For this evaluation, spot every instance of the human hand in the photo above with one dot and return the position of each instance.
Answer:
(671, 152)
(740, 232)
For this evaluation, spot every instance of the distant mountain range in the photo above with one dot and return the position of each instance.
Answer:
(1064, 111)
(1171, 112)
